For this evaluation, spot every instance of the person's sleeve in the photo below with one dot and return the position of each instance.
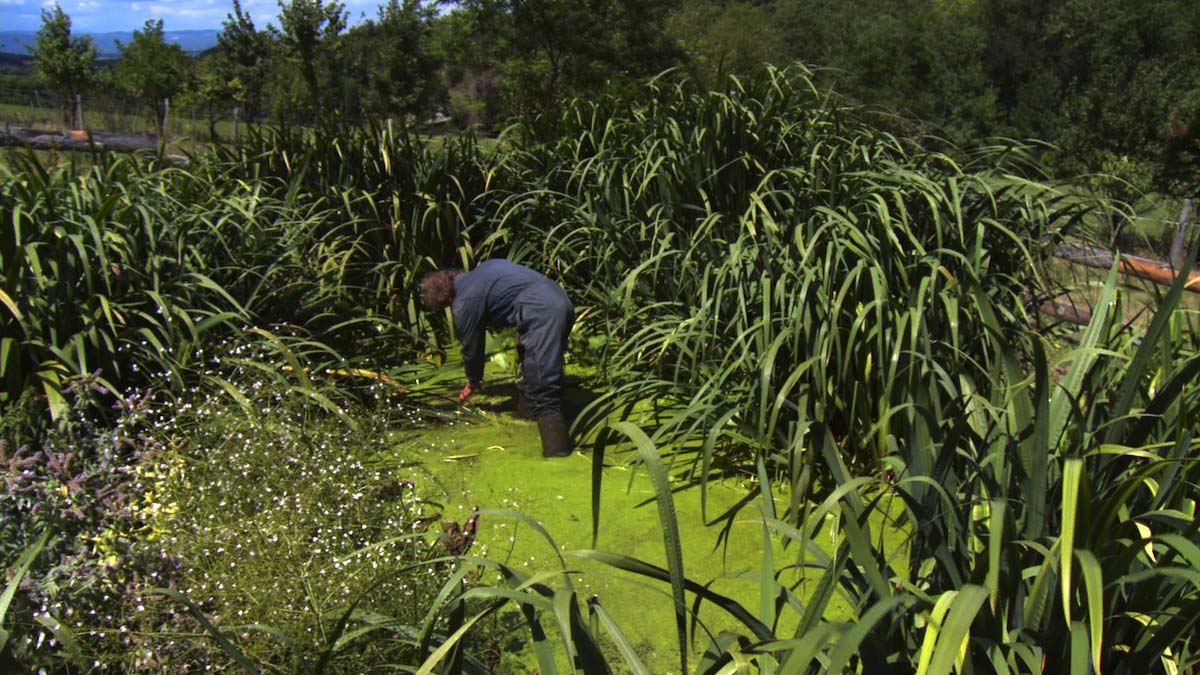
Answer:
(468, 321)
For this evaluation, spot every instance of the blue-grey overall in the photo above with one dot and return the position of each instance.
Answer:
(499, 293)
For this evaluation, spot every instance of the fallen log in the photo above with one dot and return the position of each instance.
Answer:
(80, 141)
(75, 140)
(1134, 266)
(1067, 311)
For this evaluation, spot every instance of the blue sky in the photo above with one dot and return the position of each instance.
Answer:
(98, 16)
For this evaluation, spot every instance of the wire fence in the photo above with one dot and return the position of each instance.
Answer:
(26, 106)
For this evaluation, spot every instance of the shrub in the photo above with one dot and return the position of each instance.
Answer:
(299, 536)
(88, 490)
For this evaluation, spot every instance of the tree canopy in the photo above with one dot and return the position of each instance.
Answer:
(1111, 83)
(65, 62)
(151, 69)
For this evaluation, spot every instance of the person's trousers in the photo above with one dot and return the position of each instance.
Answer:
(547, 317)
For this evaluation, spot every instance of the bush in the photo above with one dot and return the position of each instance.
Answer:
(88, 487)
(300, 537)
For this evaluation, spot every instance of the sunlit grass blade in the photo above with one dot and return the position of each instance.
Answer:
(952, 642)
(618, 638)
(670, 528)
(732, 607)
(1072, 475)
(17, 574)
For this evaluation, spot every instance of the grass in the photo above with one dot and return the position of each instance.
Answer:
(29, 116)
(185, 133)
(1149, 225)
(1152, 228)
(180, 126)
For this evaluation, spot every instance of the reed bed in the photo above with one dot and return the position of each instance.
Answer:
(777, 289)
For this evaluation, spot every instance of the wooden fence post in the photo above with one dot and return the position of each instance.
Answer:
(78, 112)
(166, 116)
(1179, 244)
(237, 109)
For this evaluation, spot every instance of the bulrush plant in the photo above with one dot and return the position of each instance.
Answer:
(399, 198)
(762, 259)
(384, 207)
(103, 271)
(1049, 526)
(128, 267)
(847, 322)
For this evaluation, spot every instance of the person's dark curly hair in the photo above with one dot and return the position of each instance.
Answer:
(437, 288)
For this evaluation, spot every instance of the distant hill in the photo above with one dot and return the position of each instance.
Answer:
(15, 41)
(14, 62)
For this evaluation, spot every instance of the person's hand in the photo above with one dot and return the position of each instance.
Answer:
(468, 389)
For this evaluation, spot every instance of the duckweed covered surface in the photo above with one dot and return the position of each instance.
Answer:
(492, 460)
(498, 465)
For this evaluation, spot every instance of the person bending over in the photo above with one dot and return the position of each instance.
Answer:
(498, 294)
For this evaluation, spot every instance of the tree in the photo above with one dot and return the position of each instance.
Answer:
(243, 61)
(64, 62)
(1125, 66)
(308, 33)
(727, 38)
(389, 63)
(548, 50)
(152, 70)
(471, 59)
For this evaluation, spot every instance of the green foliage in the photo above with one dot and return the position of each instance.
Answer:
(244, 57)
(16, 576)
(1099, 80)
(67, 63)
(77, 501)
(152, 70)
(833, 313)
(1051, 527)
(765, 260)
(552, 50)
(292, 538)
(309, 35)
(95, 281)
(390, 69)
(726, 39)
(1182, 154)
(855, 331)
(128, 267)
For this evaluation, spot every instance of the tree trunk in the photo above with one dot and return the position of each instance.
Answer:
(1179, 244)
(162, 135)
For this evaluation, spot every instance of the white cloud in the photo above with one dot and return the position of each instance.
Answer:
(109, 15)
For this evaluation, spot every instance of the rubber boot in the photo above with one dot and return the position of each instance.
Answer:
(556, 442)
(523, 405)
